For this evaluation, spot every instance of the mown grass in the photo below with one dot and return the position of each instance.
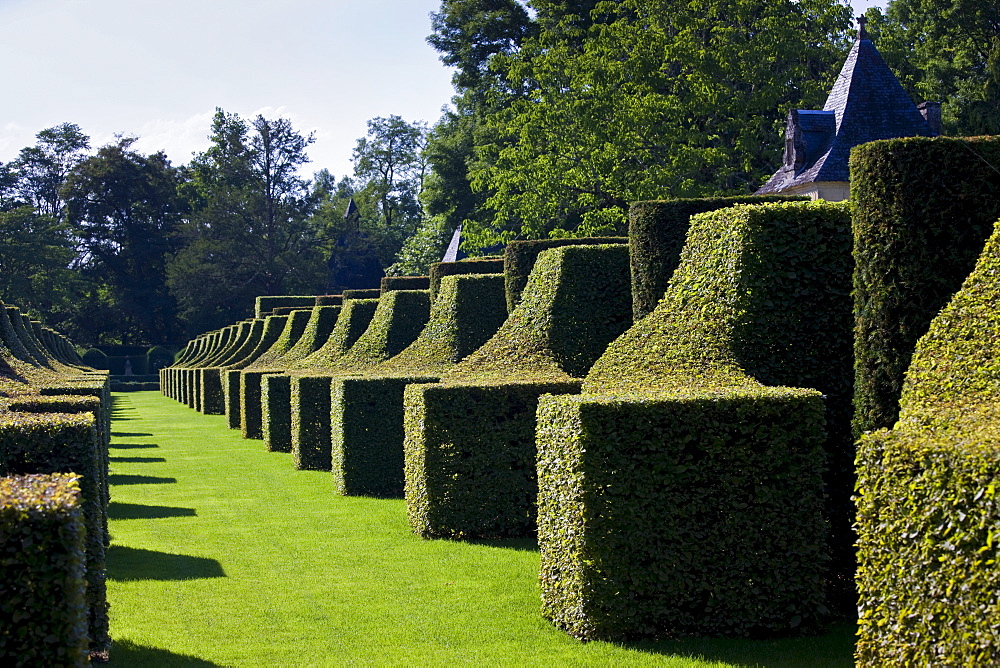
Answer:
(223, 554)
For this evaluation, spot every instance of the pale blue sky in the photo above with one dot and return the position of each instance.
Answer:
(159, 69)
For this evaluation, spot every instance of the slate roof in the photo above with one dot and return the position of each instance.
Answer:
(866, 103)
(454, 253)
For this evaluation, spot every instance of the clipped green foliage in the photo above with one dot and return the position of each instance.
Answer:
(923, 209)
(404, 283)
(43, 612)
(265, 305)
(928, 505)
(159, 357)
(716, 397)
(519, 259)
(317, 331)
(46, 443)
(373, 293)
(352, 321)
(329, 300)
(276, 412)
(468, 439)
(656, 233)
(96, 359)
(367, 413)
(473, 265)
(398, 319)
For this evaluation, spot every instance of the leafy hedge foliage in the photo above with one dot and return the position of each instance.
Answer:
(317, 331)
(923, 209)
(398, 319)
(474, 265)
(520, 256)
(366, 414)
(688, 514)
(691, 399)
(928, 504)
(276, 412)
(373, 293)
(329, 300)
(45, 443)
(352, 321)
(404, 283)
(265, 305)
(469, 442)
(43, 612)
(656, 233)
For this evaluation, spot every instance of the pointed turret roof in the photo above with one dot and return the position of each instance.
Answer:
(867, 103)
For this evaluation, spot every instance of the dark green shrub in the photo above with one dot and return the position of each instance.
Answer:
(288, 310)
(95, 359)
(928, 507)
(353, 320)
(373, 293)
(922, 210)
(405, 283)
(316, 333)
(656, 233)
(68, 443)
(158, 357)
(43, 611)
(134, 386)
(469, 438)
(266, 304)
(366, 417)
(474, 265)
(329, 300)
(691, 399)
(519, 259)
(276, 412)
(309, 400)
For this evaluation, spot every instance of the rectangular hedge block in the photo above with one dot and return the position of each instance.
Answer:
(249, 398)
(209, 388)
(366, 431)
(276, 412)
(310, 419)
(682, 515)
(231, 398)
(470, 457)
(43, 611)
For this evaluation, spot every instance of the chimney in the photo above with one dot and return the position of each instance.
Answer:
(931, 111)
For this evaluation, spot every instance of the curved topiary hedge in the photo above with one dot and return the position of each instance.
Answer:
(329, 300)
(469, 441)
(475, 265)
(371, 293)
(519, 259)
(43, 611)
(928, 507)
(656, 233)
(689, 403)
(266, 304)
(923, 209)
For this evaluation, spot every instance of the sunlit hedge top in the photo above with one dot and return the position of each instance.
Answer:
(354, 318)
(761, 294)
(317, 330)
(398, 320)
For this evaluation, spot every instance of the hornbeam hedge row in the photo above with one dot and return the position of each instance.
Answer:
(675, 417)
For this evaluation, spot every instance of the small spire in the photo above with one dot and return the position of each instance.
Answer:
(862, 29)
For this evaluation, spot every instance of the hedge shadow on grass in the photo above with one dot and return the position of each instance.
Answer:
(138, 511)
(131, 563)
(125, 479)
(128, 653)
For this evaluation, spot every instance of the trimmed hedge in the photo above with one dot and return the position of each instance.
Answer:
(468, 439)
(656, 233)
(928, 504)
(366, 414)
(398, 319)
(405, 283)
(475, 265)
(266, 304)
(317, 331)
(372, 293)
(690, 400)
(45, 443)
(519, 259)
(329, 300)
(923, 209)
(276, 412)
(352, 321)
(288, 310)
(43, 611)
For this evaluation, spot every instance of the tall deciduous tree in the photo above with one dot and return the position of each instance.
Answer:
(250, 231)
(40, 170)
(122, 208)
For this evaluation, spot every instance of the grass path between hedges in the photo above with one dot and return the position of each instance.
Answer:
(223, 554)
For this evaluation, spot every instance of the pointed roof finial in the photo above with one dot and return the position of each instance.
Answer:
(862, 30)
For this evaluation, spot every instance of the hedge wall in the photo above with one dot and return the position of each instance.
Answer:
(923, 209)
(329, 300)
(476, 265)
(928, 508)
(43, 610)
(366, 414)
(32, 443)
(656, 233)
(398, 319)
(317, 331)
(266, 304)
(405, 283)
(468, 438)
(693, 399)
(519, 259)
(276, 412)
(373, 293)
(352, 321)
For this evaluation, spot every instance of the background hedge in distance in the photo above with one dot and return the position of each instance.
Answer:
(265, 304)
(43, 613)
(923, 209)
(519, 259)
(405, 283)
(928, 504)
(656, 233)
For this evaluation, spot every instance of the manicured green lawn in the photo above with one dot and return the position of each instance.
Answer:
(223, 554)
